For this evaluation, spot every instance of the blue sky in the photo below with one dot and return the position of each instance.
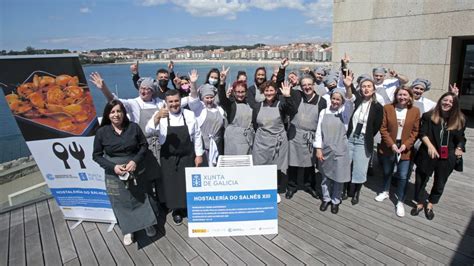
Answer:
(85, 25)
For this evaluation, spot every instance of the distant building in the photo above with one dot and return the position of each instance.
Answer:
(421, 39)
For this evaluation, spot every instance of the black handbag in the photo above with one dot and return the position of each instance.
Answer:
(458, 166)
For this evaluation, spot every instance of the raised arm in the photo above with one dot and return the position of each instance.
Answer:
(193, 77)
(172, 74)
(402, 78)
(135, 75)
(97, 80)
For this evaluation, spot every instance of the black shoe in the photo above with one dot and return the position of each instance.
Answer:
(324, 205)
(313, 193)
(344, 195)
(415, 211)
(177, 218)
(355, 200)
(335, 208)
(429, 214)
(289, 194)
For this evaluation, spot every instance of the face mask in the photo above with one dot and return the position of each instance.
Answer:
(212, 81)
(185, 87)
(163, 83)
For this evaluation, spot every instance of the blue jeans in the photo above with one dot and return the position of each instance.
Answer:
(388, 163)
(360, 159)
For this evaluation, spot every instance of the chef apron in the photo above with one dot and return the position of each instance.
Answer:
(152, 155)
(337, 163)
(176, 154)
(301, 134)
(132, 207)
(271, 143)
(238, 136)
(212, 131)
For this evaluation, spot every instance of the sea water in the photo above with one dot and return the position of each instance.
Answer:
(119, 80)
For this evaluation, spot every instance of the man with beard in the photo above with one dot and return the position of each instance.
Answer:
(181, 147)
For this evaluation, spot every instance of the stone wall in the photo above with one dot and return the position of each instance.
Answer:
(416, 38)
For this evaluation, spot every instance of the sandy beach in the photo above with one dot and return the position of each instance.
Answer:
(230, 61)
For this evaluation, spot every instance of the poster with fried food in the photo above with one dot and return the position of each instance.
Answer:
(48, 96)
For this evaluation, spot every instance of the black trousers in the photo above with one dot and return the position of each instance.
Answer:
(442, 171)
(282, 181)
(300, 178)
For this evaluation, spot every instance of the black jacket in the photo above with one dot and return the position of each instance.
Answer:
(432, 131)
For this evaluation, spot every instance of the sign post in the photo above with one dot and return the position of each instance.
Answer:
(232, 201)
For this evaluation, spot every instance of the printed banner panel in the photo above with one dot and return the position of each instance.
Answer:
(53, 107)
(231, 201)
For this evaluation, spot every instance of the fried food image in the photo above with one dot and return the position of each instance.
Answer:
(59, 102)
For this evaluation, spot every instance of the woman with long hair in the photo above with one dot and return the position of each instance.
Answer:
(443, 144)
(399, 131)
(364, 125)
(119, 148)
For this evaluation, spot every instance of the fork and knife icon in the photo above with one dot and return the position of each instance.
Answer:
(75, 150)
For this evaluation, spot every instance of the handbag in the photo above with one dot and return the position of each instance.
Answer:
(458, 166)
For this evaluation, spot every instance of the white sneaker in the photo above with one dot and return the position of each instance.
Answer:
(128, 239)
(150, 231)
(278, 198)
(381, 196)
(400, 209)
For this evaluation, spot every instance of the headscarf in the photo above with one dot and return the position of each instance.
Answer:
(206, 90)
(423, 82)
(379, 70)
(329, 79)
(363, 78)
(147, 82)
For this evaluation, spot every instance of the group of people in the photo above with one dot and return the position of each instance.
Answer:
(319, 119)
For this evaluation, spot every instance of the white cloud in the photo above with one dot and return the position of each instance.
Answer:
(84, 10)
(227, 8)
(319, 13)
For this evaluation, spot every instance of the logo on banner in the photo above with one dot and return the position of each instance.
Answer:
(50, 176)
(196, 180)
(83, 177)
(75, 150)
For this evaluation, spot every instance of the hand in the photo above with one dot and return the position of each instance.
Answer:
(193, 76)
(402, 148)
(134, 68)
(394, 148)
(119, 169)
(458, 152)
(97, 80)
(348, 79)
(223, 74)
(319, 155)
(131, 166)
(229, 91)
(346, 59)
(171, 66)
(285, 62)
(163, 113)
(393, 73)
(432, 152)
(198, 161)
(454, 89)
(285, 89)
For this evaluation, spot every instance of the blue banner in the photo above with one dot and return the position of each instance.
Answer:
(227, 206)
(81, 197)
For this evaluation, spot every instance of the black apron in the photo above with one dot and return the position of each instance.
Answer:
(176, 154)
(132, 207)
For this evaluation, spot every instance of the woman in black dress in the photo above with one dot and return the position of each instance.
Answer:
(119, 148)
